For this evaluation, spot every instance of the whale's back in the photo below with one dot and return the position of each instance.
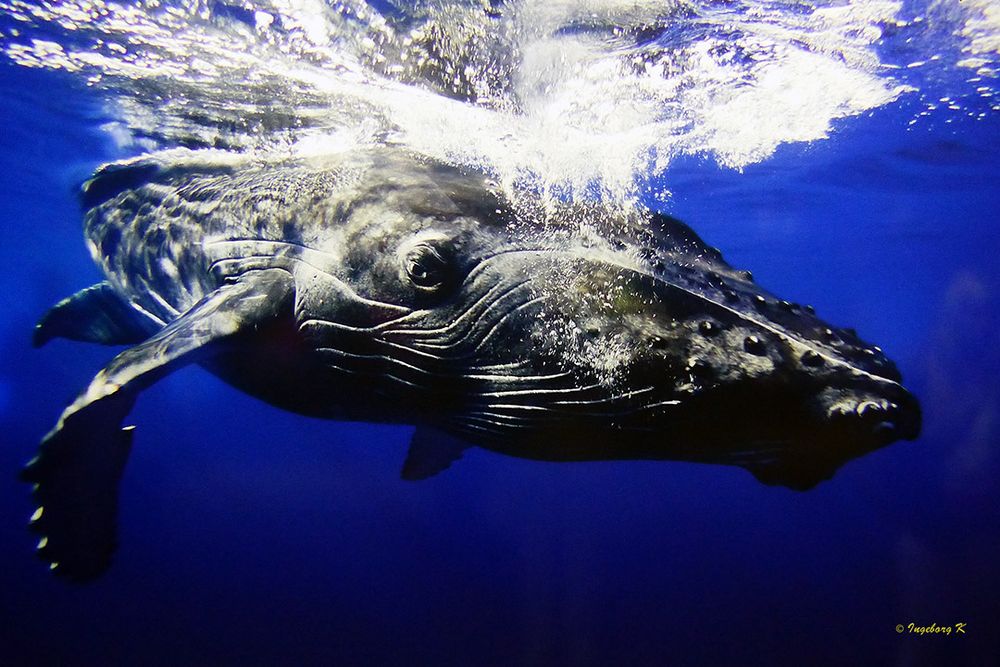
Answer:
(149, 223)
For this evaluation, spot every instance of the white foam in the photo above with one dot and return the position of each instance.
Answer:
(581, 96)
(981, 30)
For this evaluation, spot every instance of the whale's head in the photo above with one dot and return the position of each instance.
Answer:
(579, 332)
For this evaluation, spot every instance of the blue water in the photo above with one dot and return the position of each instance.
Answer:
(252, 536)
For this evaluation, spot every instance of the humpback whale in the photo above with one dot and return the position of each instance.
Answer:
(381, 285)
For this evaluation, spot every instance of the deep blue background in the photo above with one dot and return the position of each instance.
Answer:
(252, 536)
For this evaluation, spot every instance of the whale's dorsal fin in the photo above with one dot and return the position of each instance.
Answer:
(94, 315)
(431, 451)
(81, 460)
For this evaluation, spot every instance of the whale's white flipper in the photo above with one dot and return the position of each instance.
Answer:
(81, 460)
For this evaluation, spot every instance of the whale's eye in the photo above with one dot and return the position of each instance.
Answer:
(426, 266)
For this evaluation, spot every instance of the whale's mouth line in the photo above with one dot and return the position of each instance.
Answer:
(285, 254)
(445, 348)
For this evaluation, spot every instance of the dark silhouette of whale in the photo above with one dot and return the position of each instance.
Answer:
(379, 285)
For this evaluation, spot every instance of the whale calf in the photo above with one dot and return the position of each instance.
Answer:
(380, 285)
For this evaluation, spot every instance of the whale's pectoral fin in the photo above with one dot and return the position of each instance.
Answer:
(76, 477)
(80, 462)
(431, 451)
(94, 315)
(798, 474)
